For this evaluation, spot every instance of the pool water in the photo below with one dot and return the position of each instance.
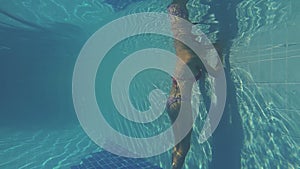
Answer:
(40, 42)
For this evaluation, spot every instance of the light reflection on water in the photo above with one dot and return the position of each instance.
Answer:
(268, 111)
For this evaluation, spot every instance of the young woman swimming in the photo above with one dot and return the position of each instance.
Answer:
(182, 84)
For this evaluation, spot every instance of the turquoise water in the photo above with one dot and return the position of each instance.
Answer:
(259, 128)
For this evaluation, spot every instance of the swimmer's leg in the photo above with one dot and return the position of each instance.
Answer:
(181, 149)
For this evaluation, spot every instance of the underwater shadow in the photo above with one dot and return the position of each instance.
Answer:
(228, 138)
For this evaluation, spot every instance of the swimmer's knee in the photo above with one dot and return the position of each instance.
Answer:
(173, 110)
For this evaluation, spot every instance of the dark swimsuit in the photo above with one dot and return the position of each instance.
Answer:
(179, 98)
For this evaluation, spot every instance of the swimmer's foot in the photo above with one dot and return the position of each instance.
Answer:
(178, 158)
(180, 151)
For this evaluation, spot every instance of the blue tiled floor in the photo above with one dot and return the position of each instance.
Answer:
(107, 160)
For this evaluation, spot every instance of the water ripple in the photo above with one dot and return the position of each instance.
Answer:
(258, 16)
(44, 148)
(267, 143)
